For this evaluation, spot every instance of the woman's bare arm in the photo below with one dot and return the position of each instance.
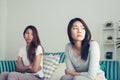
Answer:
(35, 67)
(20, 66)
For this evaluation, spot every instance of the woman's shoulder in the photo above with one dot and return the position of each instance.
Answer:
(68, 44)
(93, 42)
(39, 46)
(94, 45)
(39, 50)
(22, 47)
(22, 50)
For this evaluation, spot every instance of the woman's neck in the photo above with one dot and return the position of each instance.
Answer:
(77, 48)
(77, 45)
(27, 46)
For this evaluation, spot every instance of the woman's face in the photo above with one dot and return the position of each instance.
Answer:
(78, 31)
(28, 36)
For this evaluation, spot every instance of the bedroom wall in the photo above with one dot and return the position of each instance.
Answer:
(51, 19)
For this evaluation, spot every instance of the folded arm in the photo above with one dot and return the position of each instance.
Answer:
(69, 67)
(32, 68)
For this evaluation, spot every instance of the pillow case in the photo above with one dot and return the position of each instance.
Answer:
(50, 64)
(61, 54)
(59, 72)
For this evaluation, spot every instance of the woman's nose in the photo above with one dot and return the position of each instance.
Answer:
(29, 35)
(79, 30)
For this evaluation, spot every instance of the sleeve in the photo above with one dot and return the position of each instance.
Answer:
(94, 61)
(69, 65)
(20, 52)
(39, 50)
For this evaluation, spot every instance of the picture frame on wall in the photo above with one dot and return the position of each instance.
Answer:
(109, 55)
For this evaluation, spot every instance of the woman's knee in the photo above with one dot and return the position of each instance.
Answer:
(4, 75)
(66, 77)
(13, 76)
(80, 78)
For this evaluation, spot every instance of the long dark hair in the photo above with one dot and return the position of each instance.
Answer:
(31, 52)
(85, 42)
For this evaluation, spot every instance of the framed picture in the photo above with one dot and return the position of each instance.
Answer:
(109, 55)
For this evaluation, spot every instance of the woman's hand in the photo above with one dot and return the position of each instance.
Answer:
(20, 66)
(29, 67)
(97, 78)
(71, 72)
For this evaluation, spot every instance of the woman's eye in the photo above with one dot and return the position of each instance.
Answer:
(26, 33)
(83, 28)
(75, 27)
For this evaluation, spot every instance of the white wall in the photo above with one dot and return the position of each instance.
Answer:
(51, 18)
(3, 17)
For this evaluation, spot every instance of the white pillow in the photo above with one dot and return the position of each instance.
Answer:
(50, 63)
(59, 72)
